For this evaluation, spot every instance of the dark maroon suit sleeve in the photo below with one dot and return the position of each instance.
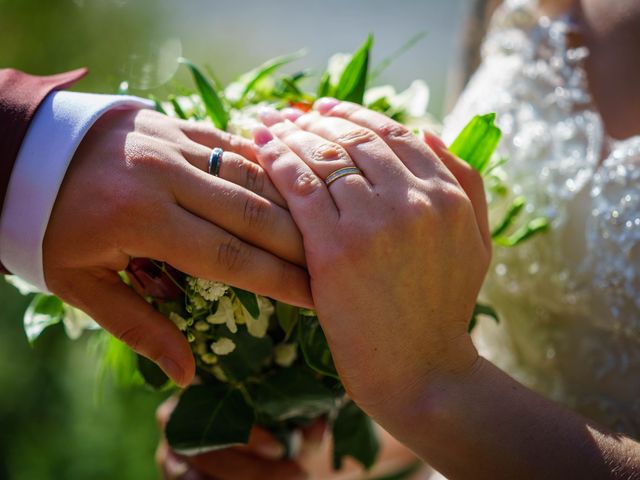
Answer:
(20, 96)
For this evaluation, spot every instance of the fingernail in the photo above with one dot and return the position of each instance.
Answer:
(292, 114)
(270, 116)
(325, 104)
(172, 369)
(262, 136)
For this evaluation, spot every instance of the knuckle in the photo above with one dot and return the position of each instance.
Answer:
(306, 184)
(455, 204)
(329, 152)
(357, 137)
(254, 177)
(394, 131)
(256, 213)
(232, 254)
(270, 153)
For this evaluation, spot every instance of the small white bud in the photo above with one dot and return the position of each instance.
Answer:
(209, 358)
(180, 322)
(224, 346)
(201, 326)
(285, 354)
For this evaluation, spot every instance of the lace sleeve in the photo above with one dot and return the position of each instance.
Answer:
(613, 235)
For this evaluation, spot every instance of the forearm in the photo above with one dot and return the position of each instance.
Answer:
(489, 426)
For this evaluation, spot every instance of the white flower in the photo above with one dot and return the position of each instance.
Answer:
(337, 64)
(25, 288)
(180, 322)
(209, 358)
(243, 122)
(258, 326)
(413, 101)
(224, 346)
(224, 315)
(198, 302)
(76, 321)
(210, 290)
(285, 354)
(201, 326)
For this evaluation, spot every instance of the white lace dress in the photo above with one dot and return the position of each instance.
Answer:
(569, 300)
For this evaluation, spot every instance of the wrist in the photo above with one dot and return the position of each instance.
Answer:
(454, 364)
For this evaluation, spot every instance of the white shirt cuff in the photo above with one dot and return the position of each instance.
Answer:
(54, 134)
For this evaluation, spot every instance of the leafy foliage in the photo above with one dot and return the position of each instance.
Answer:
(477, 142)
(355, 437)
(246, 347)
(353, 81)
(43, 311)
(314, 346)
(209, 417)
(214, 105)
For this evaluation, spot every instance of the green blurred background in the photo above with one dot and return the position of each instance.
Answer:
(54, 420)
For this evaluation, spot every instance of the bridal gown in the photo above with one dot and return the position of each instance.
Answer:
(569, 300)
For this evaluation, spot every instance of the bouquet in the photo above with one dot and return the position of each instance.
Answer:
(259, 361)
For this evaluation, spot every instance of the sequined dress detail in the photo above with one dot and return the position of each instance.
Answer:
(569, 299)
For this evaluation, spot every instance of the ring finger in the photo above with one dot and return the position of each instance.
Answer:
(326, 159)
(235, 169)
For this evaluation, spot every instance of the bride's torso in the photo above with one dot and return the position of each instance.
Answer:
(569, 299)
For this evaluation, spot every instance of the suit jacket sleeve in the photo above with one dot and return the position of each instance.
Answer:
(20, 96)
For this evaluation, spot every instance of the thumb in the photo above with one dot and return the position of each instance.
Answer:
(118, 309)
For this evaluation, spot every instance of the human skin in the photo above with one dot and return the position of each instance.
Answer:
(138, 187)
(611, 32)
(419, 237)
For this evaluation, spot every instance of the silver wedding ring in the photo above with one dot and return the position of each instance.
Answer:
(215, 160)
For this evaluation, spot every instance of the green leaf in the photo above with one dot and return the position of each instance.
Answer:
(514, 210)
(385, 63)
(152, 374)
(314, 346)
(478, 141)
(209, 417)
(43, 311)
(353, 81)
(215, 107)
(249, 356)
(251, 79)
(248, 301)
(324, 87)
(287, 318)
(354, 435)
(534, 227)
(158, 104)
(177, 108)
(293, 393)
(481, 309)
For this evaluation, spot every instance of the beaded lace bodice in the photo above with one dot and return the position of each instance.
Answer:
(569, 299)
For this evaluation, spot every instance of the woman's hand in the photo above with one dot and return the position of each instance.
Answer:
(396, 256)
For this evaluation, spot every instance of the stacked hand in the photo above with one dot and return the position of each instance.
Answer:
(138, 187)
(396, 256)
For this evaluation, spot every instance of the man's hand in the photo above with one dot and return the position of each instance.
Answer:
(138, 187)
